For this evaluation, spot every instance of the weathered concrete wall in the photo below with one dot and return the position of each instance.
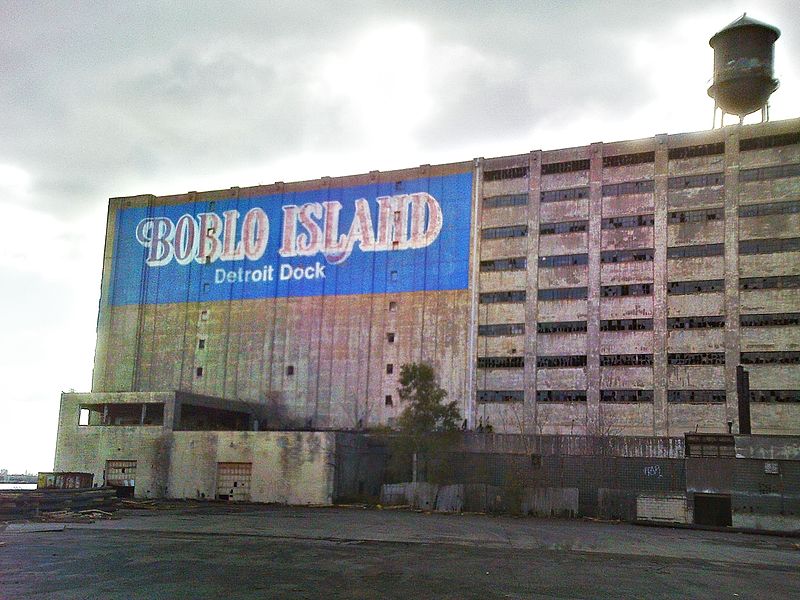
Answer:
(287, 467)
(87, 448)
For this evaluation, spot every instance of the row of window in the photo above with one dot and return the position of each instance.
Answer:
(621, 160)
(695, 181)
(626, 360)
(626, 325)
(772, 208)
(571, 293)
(503, 201)
(561, 327)
(563, 227)
(628, 187)
(501, 362)
(769, 246)
(631, 289)
(578, 193)
(696, 396)
(627, 222)
(509, 231)
(769, 141)
(563, 260)
(501, 297)
(696, 358)
(630, 396)
(502, 329)
(713, 322)
(678, 288)
(619, 256)
(696, 322)
(774, 395)
(519, 263)
(696, 216)
(774, 320)
(561, 395)
(485, 396)
(554, 362)
(508, 173)
(696, 151)
(767, 173)
(626, 395)
(568, 166)
(696, 251)
(777, 282)
(769, 358)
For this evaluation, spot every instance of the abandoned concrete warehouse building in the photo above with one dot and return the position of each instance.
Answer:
(610, 288)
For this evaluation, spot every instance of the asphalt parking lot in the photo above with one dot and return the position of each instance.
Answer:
(252, 551)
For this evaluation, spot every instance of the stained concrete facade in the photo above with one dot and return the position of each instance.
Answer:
(535, 343)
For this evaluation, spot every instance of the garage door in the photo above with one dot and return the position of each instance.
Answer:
(233, 481)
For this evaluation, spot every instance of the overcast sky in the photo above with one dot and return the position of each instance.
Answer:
(99, 100)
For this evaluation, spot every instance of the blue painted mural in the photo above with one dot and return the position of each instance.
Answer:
(402, 236)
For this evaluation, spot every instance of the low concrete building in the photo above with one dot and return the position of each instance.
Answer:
(175, 445)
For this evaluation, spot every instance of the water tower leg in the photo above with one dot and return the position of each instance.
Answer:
(763, 113)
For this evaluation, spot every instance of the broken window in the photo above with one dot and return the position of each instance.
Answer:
(389, 369)
(504, 201)
(579, 193)
(199, 371)
(696, 322)
(695, 181)
(696, 396)
(562, 327)
(769, 141)
(201, 344)
(619, 256)
(507, 173)
(563, 227)
(556, 362)
(628, 187)
(504, 264)
(388, 400)
(769, 246)
(696, 358)
(571, 293)
(696, 151)
(774, 395)
(770, 358)
(502, 329)
(698, 251)
(510, 231)
(563, 260)
(561, 396)
(290, 370)
(392, 306)
(501, 297)
(775, 320)
(626, 360)
(767, 173)
(636, 158)
(695, 287)
(632, 289)
(625, 396)
(390, 338)
(627, 222)
(696, 216)
(568, 166)
(501, 362)
(626, 325)
(771, 208)
(780, 282)
(498, 396)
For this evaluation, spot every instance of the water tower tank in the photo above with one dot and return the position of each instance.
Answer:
(743, 58)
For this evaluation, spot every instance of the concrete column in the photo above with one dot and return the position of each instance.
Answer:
(471, 403)
(661, 177)
(731, 274)
(530, 411)
(593, 303)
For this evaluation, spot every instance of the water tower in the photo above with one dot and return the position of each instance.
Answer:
(743, 58)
